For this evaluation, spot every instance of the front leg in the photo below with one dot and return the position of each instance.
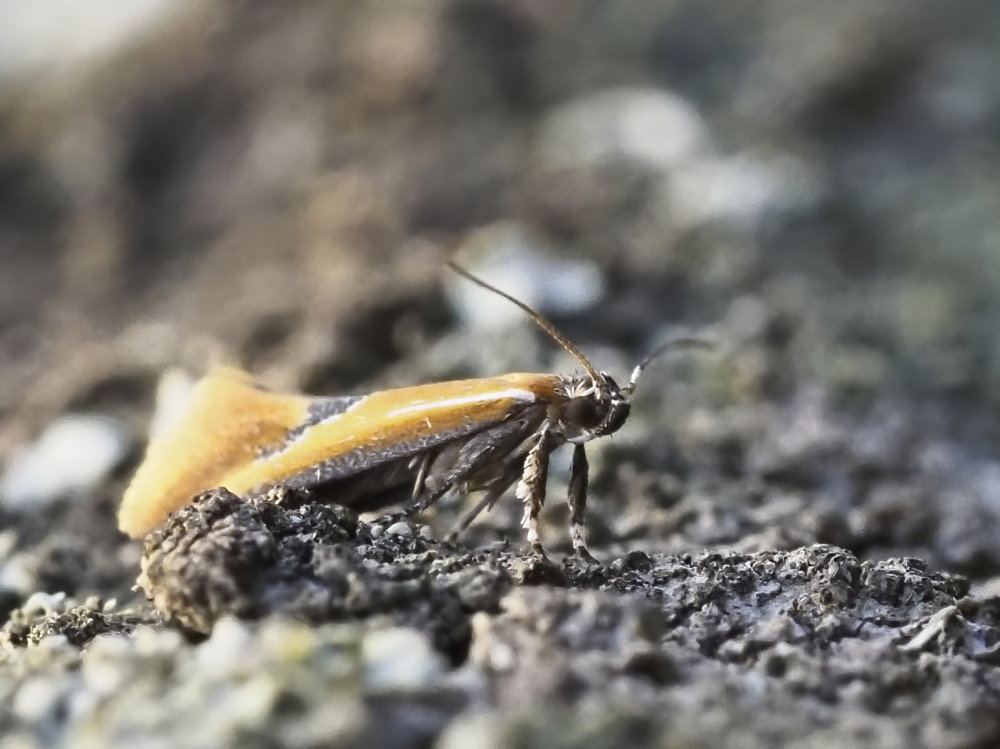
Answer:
(577, 499)
(531, 488)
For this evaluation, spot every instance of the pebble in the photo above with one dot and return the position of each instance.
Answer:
(46, 603)
(38, 697)
(513, 259)
(35, 49)
(151, 642)
(72, 456)
(474, 730)
(103, 665)
(399, 659)
(18, 573)
(399, 528)
(226, 650)
(647, 126)
(740, 189)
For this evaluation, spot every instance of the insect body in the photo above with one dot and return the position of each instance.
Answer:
(367, 452)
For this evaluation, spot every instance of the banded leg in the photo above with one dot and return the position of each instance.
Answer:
(531, 488)
(577, 500)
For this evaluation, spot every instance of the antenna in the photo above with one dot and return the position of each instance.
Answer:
(687, 342)
(539, 320)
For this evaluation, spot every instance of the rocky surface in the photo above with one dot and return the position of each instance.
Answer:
(798, 532)
(226, 556)
(402, 640)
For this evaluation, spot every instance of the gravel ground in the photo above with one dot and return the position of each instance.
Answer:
(796, 532)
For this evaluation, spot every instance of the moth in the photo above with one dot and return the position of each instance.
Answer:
(408, 445)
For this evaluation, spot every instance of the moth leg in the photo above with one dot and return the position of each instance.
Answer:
(478, 452)
(531, 488)
(577, 500)
(465, 521)
(421, 504)
(488, 500)
(418, 484)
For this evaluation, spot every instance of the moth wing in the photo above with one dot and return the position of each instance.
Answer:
(386, 426)
(225, 420)
(236, 434)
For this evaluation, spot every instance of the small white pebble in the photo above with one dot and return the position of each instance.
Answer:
(511, 258)
(104, 671)
(73, 455)
(110, 645)
(37, 698)
(45, 603)
(17, 573)
(648, 126)
(150, 641)
(53, 643)
(399, 659)
(478, 729)
(399, 529)
(8, 542)
(227, 647)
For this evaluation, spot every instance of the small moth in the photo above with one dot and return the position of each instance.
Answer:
(412, 444)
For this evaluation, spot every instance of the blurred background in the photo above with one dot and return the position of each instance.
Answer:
(275, 185)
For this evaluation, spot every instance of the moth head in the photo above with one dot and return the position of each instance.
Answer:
(593, 408)
(597, 406)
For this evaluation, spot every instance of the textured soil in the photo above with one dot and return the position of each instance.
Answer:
(796, 533)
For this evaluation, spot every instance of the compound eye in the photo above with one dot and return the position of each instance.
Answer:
(585, 412)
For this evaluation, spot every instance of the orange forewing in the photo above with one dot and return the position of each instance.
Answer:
(235, 434)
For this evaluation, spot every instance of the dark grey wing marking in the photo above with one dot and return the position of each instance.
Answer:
(320, 410)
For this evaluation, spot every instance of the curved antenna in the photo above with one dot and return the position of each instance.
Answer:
(687, 342)
(539, 320)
